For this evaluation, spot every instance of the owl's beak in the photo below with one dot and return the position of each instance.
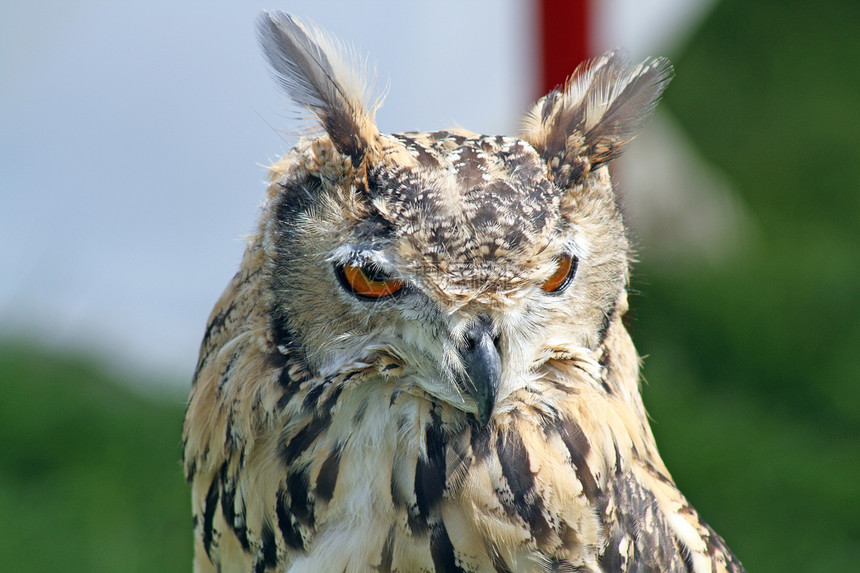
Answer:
(482, 367)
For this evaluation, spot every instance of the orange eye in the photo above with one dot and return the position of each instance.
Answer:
(366, 284)
(563, 274)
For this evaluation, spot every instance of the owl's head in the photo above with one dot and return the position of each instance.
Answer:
(465, 260)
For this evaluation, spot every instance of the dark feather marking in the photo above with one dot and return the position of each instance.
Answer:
(470, 167)
(327, 477)
(610, 559)
(578, 447)
(394, 396)
(425, 158)
(568, 535)
(640, 519)
(268, 556)
(289, 383)
(289, 529)
(415, 521)
(331, 401)
(277, 359)
(209, 507)
(562, 566)
(295, 447)
(400, 496)
(386, 558)
(281, 333)
(657, 473)
(229, 440)
(298, 484)
(547, 416)
(225, 376)
(191, 468)
(430, 474)
(310, 402)
(297, 196)
(568, 120)
(549, 102)
(578, 166)
(242, 458)
(605, 323)
(374, 229)
(442, 551)
(514, 459)
(716, 545)
(605, 361)
(605, 385)
(479, 439)
(241, 530)
(619, 463)
(358, 417)
(444, 134)
(687, 557)
(285, 398)
(498, 561)
(563, 388)
(218, 321)
(228, 509)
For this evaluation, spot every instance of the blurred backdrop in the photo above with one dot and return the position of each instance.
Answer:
(132, 144)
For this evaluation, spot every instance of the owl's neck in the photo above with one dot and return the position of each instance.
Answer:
(383, 456)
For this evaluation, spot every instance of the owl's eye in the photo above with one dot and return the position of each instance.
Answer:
(365, 282)
(563, 274)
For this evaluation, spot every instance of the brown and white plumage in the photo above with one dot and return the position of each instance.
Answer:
(476, 414)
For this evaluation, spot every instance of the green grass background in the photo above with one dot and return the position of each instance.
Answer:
(90, 479)
(753, 362)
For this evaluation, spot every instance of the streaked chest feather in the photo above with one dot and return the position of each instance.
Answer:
(387, 480)
(362, 471)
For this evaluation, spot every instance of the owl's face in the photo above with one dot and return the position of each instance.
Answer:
(455, 254)
(464, 260)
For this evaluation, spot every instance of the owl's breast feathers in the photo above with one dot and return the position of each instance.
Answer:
(361, 471)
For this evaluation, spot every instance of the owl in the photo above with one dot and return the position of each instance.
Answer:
(421, 363)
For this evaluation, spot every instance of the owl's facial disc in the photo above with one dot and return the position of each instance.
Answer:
(455, 355)
(482, 367)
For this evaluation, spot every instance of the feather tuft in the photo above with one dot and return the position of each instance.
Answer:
(318, 73)
(602, 107)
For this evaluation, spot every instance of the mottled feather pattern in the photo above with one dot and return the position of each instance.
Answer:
(329, 432)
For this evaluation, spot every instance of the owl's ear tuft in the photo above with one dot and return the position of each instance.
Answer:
(601, 109)
(316, 71)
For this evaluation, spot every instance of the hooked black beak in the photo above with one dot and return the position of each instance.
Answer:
(482, 367)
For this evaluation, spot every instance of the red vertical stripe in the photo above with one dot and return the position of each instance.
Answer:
(564, 39)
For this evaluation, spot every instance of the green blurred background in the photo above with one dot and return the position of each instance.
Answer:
(752, 359)
(754, 363)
